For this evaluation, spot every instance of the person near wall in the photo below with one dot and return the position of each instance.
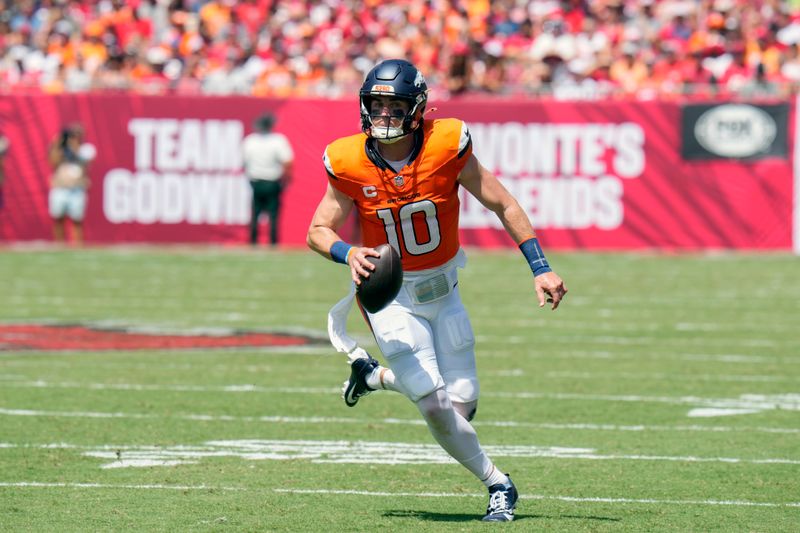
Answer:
(4, 146)
(70, 158)
(267, 158)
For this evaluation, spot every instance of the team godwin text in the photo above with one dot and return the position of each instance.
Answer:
(185, 171)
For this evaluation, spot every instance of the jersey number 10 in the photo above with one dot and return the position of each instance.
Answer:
(413, 246)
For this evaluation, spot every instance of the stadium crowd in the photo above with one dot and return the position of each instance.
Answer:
(583, 49)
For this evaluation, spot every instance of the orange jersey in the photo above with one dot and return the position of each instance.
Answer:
(415, 210)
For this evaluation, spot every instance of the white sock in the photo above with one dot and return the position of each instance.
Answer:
(495, 477)
(384, 378)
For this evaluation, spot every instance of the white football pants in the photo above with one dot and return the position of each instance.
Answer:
(428, 346)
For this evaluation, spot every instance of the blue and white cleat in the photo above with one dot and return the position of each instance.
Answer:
(502, 502)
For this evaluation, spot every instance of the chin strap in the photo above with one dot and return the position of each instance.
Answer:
(391, 140)
(376, 158)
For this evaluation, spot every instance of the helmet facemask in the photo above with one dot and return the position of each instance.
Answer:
(398, 124)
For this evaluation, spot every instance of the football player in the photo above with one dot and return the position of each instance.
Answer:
(402, 176)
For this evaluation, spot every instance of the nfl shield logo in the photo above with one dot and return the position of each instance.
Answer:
(398, 180)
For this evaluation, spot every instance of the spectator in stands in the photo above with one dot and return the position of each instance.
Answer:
(268, 158)
(70, 158)
(790, 67)
(762, 86)
(629, 72)
(289, 48)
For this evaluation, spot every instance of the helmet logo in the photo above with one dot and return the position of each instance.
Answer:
(382, 89)
(399, 181)
(419, 79)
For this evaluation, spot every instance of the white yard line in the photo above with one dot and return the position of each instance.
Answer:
(484, 351)
(378, 494)
(43, 485)
(699, 406)
(643, 340)
(789, 401)
(732, 503)
(127, 365)
(300, 349)
(397, 421)
(42, 384)
(616, 325)
(779, 401)
(661, 376)
(348, 452)
(651, 356)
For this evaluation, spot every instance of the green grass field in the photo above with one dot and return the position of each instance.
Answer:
(662, 396)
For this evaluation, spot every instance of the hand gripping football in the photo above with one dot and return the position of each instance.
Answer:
(383, 283)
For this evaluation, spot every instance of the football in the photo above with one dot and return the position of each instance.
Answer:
(383, 283)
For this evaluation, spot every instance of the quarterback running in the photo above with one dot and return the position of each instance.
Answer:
(402, 176)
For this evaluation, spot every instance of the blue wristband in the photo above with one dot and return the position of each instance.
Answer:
(535, 256)
(339, 252)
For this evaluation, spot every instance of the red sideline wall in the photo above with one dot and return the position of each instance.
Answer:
(591, 175)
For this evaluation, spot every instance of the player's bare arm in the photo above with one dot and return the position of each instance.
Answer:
(488, 190)
(331, 213)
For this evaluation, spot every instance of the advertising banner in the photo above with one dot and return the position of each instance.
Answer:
(609, 175)
(735, 131)
(597, 176)
(168, 169)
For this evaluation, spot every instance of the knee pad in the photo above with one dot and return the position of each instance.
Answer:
(457, 334)
(455, 343)
(462, 388)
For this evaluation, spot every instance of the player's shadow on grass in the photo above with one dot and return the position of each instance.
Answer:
(460, 517)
